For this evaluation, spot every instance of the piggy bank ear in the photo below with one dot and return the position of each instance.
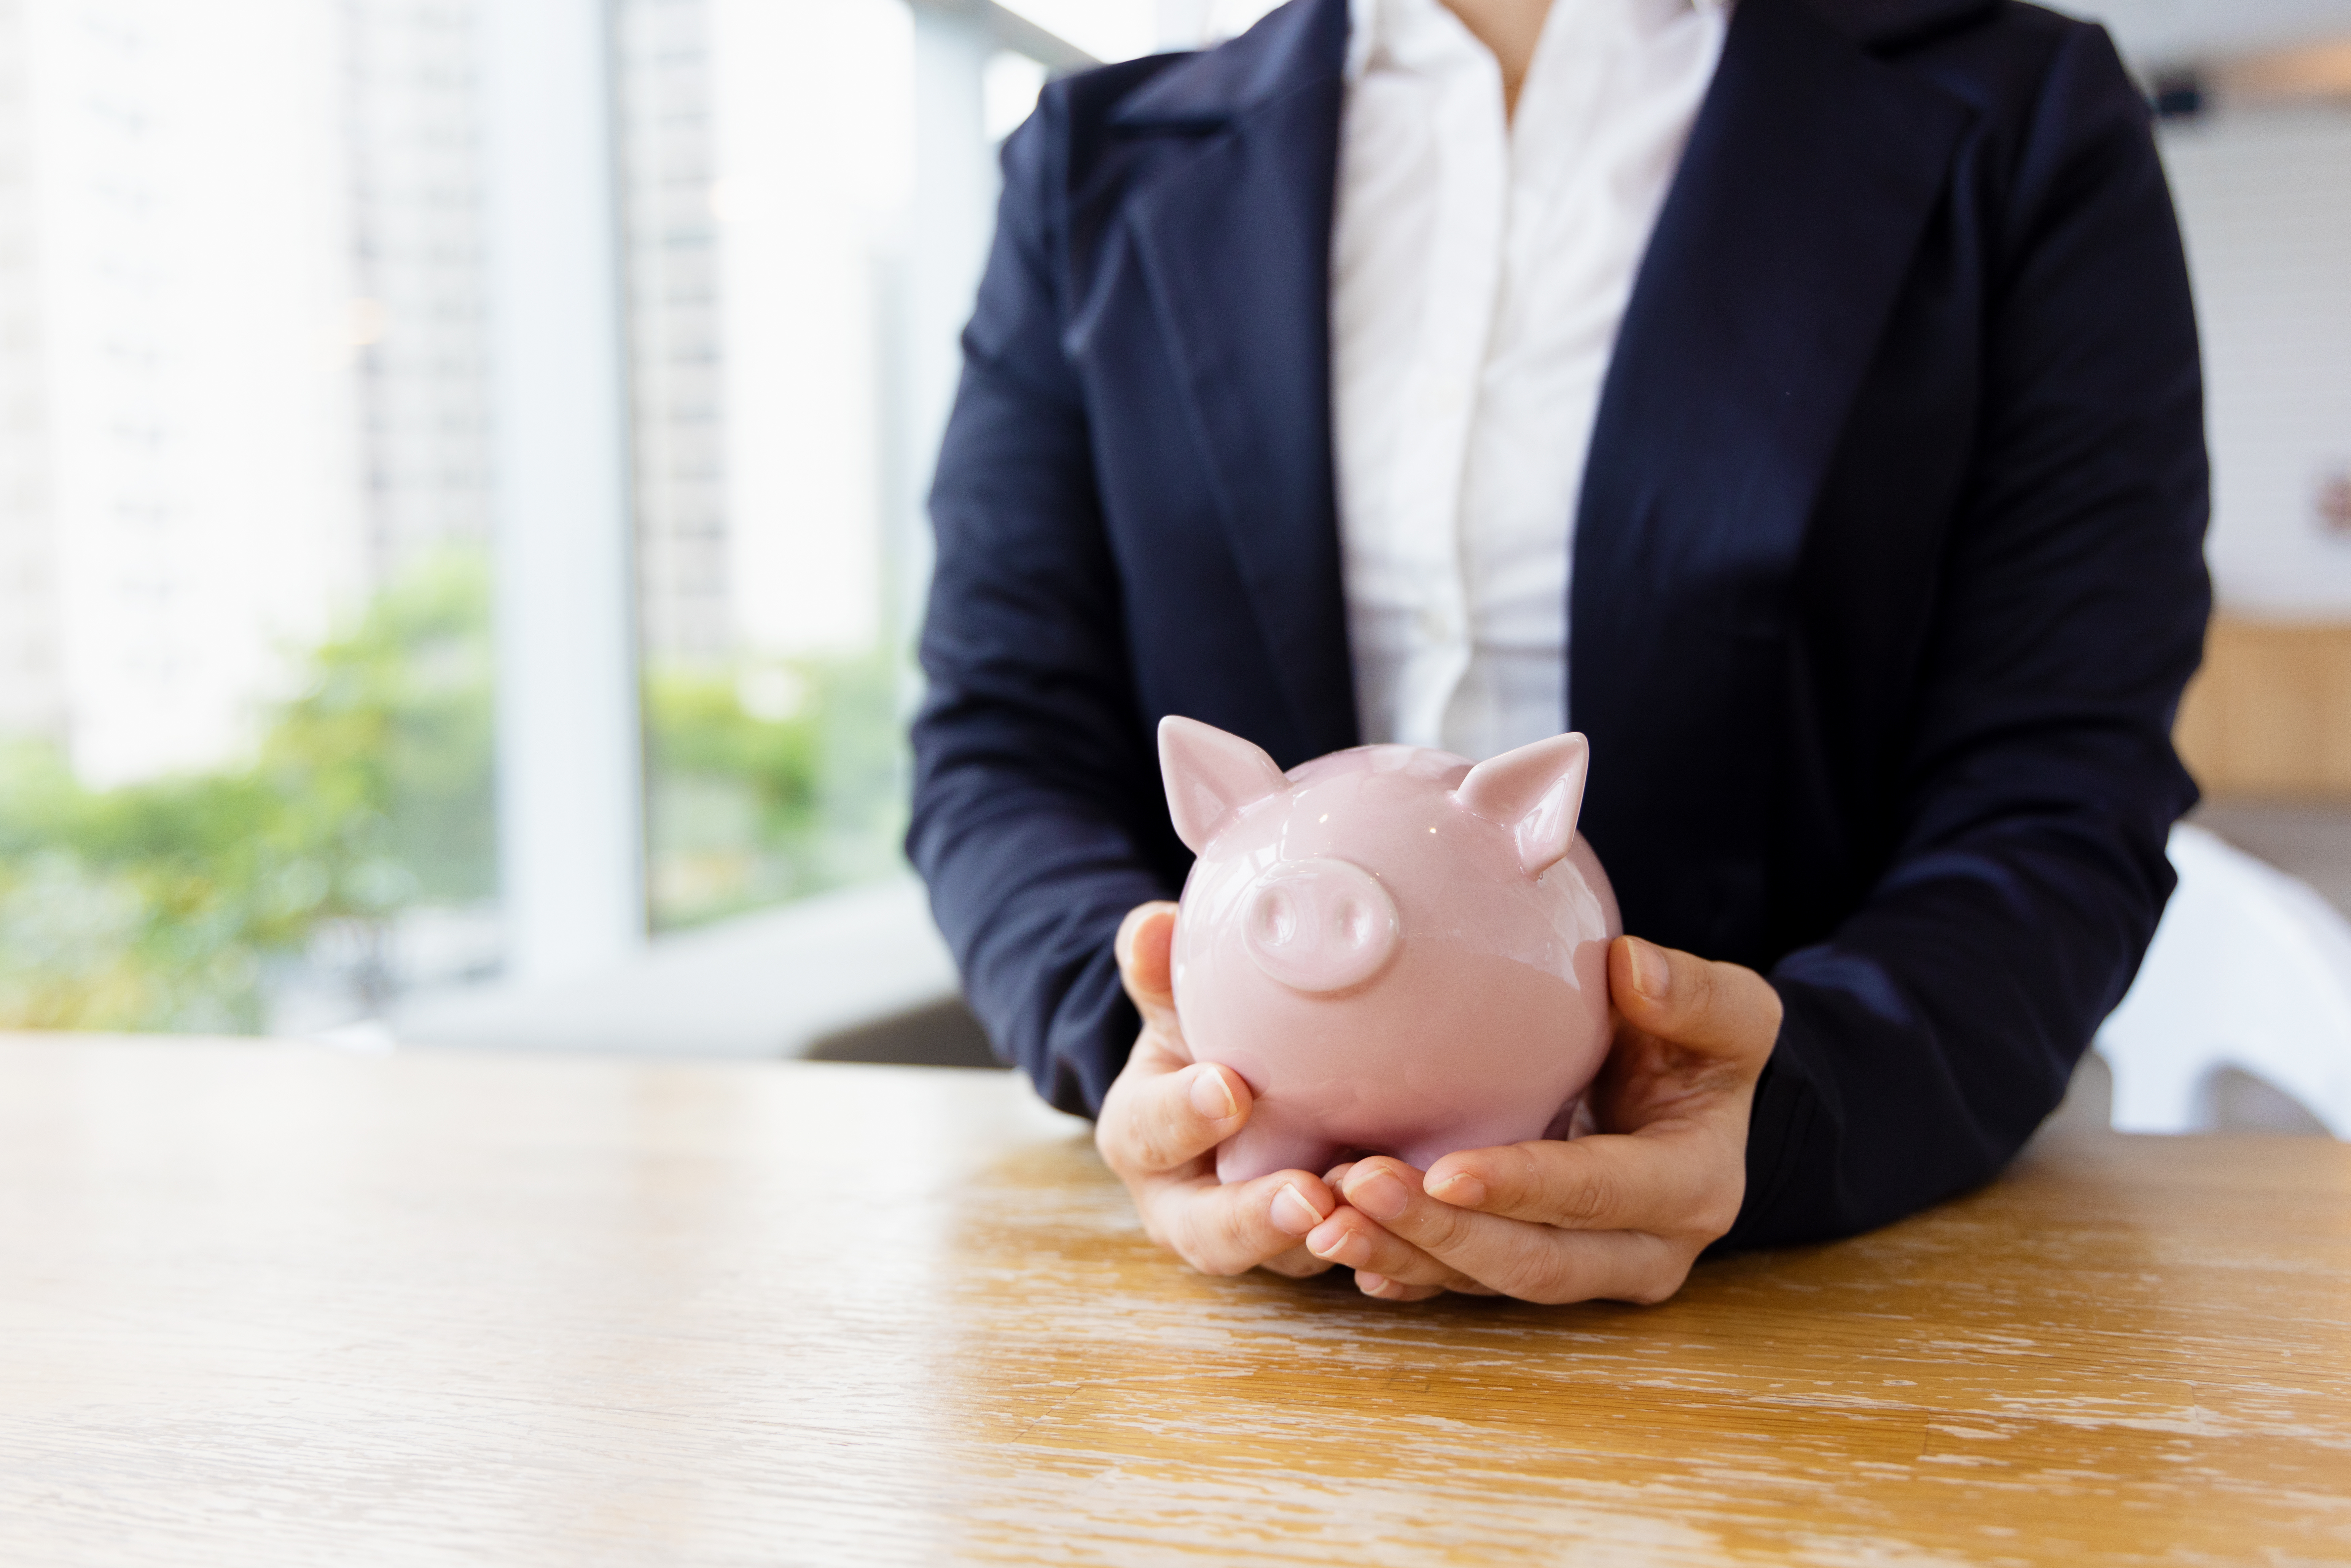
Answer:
(1534, 791)
(1210, 775)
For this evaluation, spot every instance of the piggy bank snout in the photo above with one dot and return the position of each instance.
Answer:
(1319, 924)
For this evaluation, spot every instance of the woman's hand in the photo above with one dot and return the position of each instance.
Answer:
(1162, 1120)
(1621, 1214)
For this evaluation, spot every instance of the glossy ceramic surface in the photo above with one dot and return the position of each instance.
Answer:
(1399, 952)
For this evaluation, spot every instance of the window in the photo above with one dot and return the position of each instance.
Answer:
(460, 475)
(767, 156)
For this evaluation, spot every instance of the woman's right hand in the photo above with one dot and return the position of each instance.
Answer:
(1166, 1114)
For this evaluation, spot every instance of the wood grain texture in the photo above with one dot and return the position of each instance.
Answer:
(260, 1305)
(2268, 715)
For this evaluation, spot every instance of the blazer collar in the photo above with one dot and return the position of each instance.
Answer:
(1233, 240)
(1293, 47)
(1810, 179)
(1888, 25)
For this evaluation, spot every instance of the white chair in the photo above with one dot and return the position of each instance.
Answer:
(2251, 970)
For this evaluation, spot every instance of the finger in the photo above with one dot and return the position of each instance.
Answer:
(1229, 1230)
(1675, 1181)
(1517, 1258)
(1353, 1241)
(1297, 1264)
(1603, 1265)
(1387, 1290)
(1724, 1010)
(1145, 939)
(1165, 1121)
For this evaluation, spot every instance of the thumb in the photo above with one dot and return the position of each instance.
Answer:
(1724, 1010)
(1145, 939)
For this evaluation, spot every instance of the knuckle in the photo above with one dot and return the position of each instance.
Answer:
(1657, 1285)
(1751, 1007)
(1588, 1198)
(1150, 1208)
(1186, 1241)
(1717, 1213)
(1164, 1131)
(1436, 1227)
(1125, 1151)
(1513, 1184)
(1114, 1140)
(1544, 1274)
(1216, 1236)
(1702, 989)
(1409, 1266)
(1242, 1231)
(1171, 1132)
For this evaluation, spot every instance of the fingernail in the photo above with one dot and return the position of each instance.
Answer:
(1292, 1215)
(1650, 974)
(1337, 1244)
(1371, 1284)
(1461, 1189)
(1379, 1195)
(1212, 1096)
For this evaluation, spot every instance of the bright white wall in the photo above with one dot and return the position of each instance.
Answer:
(2163, 31)
(2264, 199)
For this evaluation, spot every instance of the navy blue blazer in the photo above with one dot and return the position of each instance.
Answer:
(1887, 571)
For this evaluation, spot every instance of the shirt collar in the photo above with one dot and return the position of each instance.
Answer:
(1363, 16)
(1364, 20)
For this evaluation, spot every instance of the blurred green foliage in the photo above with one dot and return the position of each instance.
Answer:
(163, 904)
(157, 906)
(769, 781)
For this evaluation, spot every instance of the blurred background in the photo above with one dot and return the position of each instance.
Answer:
(460, 477)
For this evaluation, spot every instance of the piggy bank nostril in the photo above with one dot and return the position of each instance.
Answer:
(1273, 917)
(1319, 924)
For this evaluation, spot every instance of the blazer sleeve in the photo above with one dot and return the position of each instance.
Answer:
(1934, 1031)
(1031, 760)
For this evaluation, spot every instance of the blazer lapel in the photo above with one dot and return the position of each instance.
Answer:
(1235, 242)
(1809, 179)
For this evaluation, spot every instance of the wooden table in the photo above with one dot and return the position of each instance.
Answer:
(265, 1304)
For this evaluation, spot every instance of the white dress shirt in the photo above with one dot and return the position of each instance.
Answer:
(1480, 264)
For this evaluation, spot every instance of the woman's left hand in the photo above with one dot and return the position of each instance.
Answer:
(1621, 1214)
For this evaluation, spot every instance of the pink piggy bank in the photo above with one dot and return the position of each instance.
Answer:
(1399, 952)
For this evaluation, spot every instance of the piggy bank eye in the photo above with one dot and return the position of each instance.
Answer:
(1319, 924)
